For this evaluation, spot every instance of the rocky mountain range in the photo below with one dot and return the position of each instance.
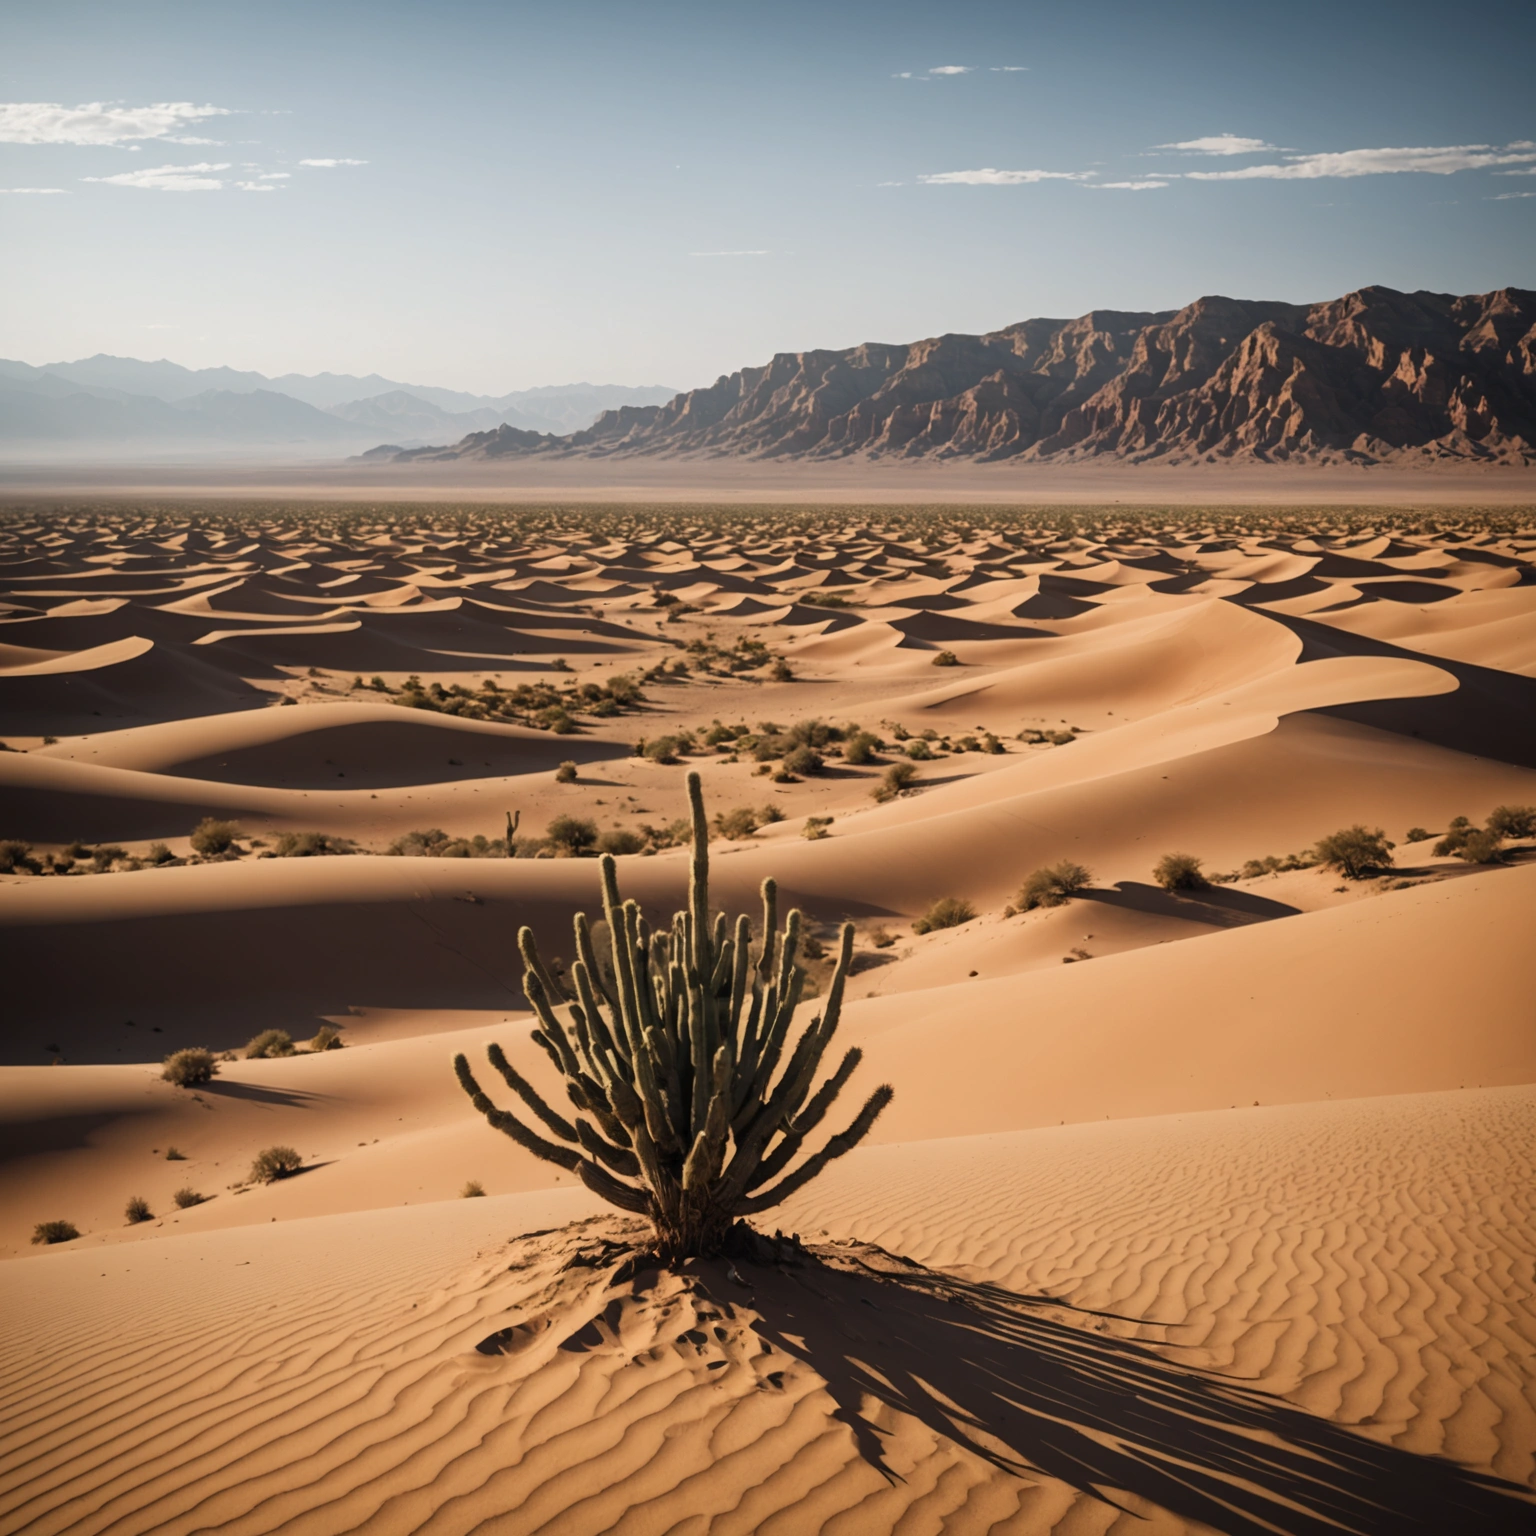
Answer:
(1375, 376)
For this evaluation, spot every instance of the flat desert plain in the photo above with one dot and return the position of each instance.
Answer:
(1202, 1208)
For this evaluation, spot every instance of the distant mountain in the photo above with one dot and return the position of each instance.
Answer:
(109, 404)
(1374, 376)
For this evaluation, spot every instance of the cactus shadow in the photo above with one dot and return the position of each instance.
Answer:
(1037, 1388)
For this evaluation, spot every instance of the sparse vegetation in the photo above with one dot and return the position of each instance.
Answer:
(326, 1038)
(270, 1042)
(571, 836)
(273, 1163)
(815, 828)
(473, 1190)
(1355, 852)
(16, 858)
(1417, 835)
(1053, 885)
(737, 824)
(190, 1068)
(1516, 821)
(186, 1197)
(946, 912)
(310, 845)
(565, 773)
(897, 777)
(620, 841)
(946, 659)
(1481, 847)
(861, 748)
(1179, 872)
(175, 1155)
(214, 839)
(137, 1210)
(718, 1146)
(55, 1232)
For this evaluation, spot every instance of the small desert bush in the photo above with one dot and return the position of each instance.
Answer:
(619, 841)
(565, 773)
(946, 912)
(190, 1068)
(861, 748)
(770, 814)
(1417, 835)
(815, 828)
(138, 1210)
(946, 659)
(736, 825)
(473, 1190)
(571, 836)
(270, 1042)
(919, 750)
(186, 1197)
(312, 845)
(212, 837)
(16, 858)
(897, 777)
(175, 1155)
(275, 1163)
(782, 671)
(1053, 885)
(1513, 821)
(326, 1038)
(158, 853)
(803, 760)
(1179, 872)
(55, 1232)
(1481, 847)
(1455, 835)
(664, 749)
(1355, 852)
(882, 938)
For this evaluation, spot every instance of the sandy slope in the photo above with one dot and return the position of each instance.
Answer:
(1275, 1302)
(1254, 1168)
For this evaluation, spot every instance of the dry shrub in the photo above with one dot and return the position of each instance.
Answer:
(270, 1042)
(565, 773)
(212, 838)
(1355, 852)
(273, 1163)
(1054, 885)
(55, 1232)
(138, 1210)
(946, 912)
(897, 777)
(190, 1068)
(1179, 872)
(473, 1190)
(619, 841)
(737, 824)
(186, 1197)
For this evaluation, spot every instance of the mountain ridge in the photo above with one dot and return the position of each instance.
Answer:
(1375, 376)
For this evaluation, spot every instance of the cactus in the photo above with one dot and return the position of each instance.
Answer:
(691, 1099)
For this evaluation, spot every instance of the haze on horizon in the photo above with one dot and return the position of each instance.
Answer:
(496, 197)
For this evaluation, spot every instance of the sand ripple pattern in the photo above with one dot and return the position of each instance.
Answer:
(1239, 1321)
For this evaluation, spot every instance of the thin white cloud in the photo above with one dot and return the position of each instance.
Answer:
(1009, 69)
(1443, 160)
(275, 176)
(1145, 185)
(33, 192)
(1529, 170)
(327, 164)
(257, 186)
(890, 183)
(1221, 144)
(169, 178)
(98, 122)
(1504, 197)
(730, 253)
(951, 69)
(988, 177)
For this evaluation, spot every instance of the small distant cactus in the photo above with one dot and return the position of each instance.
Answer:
(694, 1099)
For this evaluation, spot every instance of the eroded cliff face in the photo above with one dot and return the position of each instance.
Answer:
(1374, 376)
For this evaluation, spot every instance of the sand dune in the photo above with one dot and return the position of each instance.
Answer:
(1222, 1225)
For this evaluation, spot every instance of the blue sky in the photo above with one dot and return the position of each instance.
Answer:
(627, 193)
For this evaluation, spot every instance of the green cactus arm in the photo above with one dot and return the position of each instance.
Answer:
(529, 1094)
(839, 979)
(770, 929)
(606, 1187)
(510, 1125)
(702, 959)
(806, 1122)
(835, 1148)
(554, 1030)
(587, 954)
(741, 959)
(528, 948)
(620, 1159)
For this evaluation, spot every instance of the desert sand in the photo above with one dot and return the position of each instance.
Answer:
(1204, 1209)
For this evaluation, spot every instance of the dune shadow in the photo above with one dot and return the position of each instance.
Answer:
(1038, 1388)
(288, 1098)
(1218, 905)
